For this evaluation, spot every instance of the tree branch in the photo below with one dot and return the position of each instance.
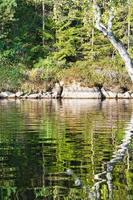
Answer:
(110, 22)
(98, 16)
(108, 32)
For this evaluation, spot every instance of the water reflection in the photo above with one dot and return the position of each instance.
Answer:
(41, 140)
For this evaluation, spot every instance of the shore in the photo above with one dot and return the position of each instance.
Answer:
(70, 92)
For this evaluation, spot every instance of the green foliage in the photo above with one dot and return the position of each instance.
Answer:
(11, 77)
(62, 36)
(23, 41)
(7, 9)
(70, 29)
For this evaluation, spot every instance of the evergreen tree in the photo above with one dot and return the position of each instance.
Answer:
(62, 33)
(7, 11)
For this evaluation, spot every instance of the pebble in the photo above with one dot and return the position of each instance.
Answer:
(69, 172)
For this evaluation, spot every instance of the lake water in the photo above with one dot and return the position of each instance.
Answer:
(54, 150)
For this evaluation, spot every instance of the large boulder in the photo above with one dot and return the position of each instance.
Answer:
(7, 94)
(12, 96)
(57, 90)
(81, 93)
(3, 95)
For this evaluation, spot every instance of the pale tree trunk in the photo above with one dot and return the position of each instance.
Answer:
(55, 10)
(43, 21)
(129, 24)
(92, 39)
(108, 32)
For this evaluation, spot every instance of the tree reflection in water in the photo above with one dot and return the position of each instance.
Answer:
(106, 176)
(40, 140)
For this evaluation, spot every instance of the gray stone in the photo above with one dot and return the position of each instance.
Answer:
(7, 94)
(24, 96)
(4, 95)
(55, 94)
(33, 96)
(104, 93)
(78, 182)
(69, 172)
(131, 95)
(81, 95)
(112, 95)
(57, 90)
(46, 95)
(19, 94)
(39, 95)
(108, 94)
(12, 95)
(125, 95)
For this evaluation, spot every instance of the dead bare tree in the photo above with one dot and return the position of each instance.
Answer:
(108, 32)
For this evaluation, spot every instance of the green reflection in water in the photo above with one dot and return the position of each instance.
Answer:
(40, 140)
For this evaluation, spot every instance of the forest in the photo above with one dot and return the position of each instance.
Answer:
(66, 91)
(49, 40)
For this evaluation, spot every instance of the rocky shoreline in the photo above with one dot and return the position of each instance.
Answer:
(70, 92)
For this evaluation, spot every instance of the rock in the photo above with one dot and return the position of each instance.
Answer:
(82, 93)
(39, 95)
(19, 94)
(86, 89)
(4, 95)
(46, 95)
(104, 93)
(33, 96)
(7, 95)
(57, 90)
(69, 172)
(12, 95)
(24, 96)
(112, 95)
(54, 94)
(125, 95)
(78, 182)
(108, 94)
(120, 96)
(131, 95)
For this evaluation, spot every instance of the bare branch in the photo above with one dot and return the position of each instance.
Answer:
(98, 17)
(108, 32)
(110, 22)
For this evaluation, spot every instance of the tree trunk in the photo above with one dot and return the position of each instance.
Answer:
(43, 21)
(92, 39)
(123, 53)
(108, 32)
(129, 24)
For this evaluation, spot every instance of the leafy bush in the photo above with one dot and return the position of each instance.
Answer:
(11, 77)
